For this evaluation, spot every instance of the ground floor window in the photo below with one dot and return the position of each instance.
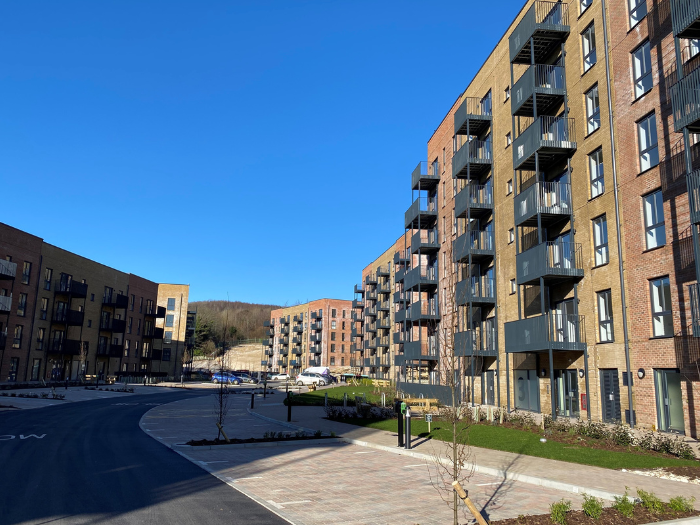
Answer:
(14, 366)
(36, 366)
(669, 400)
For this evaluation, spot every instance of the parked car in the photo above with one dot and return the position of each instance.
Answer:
(309, 378)
(226, 377)
(279, 377)
(200, 375)
(245, 378)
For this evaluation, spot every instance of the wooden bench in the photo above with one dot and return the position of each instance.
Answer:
(381, 382)
(422, 404)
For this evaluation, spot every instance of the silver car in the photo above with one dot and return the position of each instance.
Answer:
(309, 378)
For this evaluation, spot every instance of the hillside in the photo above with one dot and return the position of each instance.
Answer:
(244, 320)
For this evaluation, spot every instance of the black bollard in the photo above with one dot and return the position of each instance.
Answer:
(289, 407)
(399, 415)
(408, 430)
(252, 400)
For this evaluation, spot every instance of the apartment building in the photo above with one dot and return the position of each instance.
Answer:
(513, 259)
(69, 316)
(317, 333)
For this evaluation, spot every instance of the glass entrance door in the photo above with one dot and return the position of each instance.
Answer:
(527, 392)
(669, 401)
(488, 387)
(566, 385)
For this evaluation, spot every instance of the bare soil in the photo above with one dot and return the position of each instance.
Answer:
(609, 517)
(693, 473)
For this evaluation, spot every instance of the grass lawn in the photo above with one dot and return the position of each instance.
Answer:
(523, 442)
(335, 395)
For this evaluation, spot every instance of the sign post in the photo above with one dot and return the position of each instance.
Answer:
(429, 419)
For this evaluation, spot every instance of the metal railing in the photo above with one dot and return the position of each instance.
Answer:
(685, 100)
(549, 132)
(422, 237)
(693, 182)
(8, 269)
(476, 242)
(478, 342)
(424, 172)
(694, 292)
(420, 206)
(537, 77)
(552, 258)
(477, 197)
(548, 16)
(684, 13)
(552, 330)
(552, 198)
(473, 152)
(475, 290)
(5, 303)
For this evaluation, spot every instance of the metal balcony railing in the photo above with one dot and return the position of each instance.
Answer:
(694, 292)
(473, 116)
(284, 330)
(547, 24)
(316, 338)
(552, 200)
(472, 159)
(70, 287)
(481, 291)
(358, 303)
(693, 182)
(553, 260)
(427, 241)
(318, 325)
(5, 303)
(424, 176)
(480, 244)
(685, 18)
(8, 269)
(478, 198)
(315, 349)
(473, 343)
(422, 349)
(539, 334)
(424, 276)
(424, 310)
(553, 138)
(547, 82)
(685, 100)
(421, 214)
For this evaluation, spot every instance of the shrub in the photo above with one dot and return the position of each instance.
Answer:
(592, 429)
(592, 507)
(621, 435)
(624, 505)
(681, 504)
(650, 501)
(558, 510)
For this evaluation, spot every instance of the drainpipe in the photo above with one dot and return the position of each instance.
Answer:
(617, 218)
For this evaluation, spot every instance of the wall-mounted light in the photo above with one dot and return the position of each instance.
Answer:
(641, 373)
(543, 373)
(581, 373)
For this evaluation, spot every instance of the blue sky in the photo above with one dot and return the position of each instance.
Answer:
(257, 149)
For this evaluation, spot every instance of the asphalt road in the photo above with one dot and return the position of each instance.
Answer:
(95, 465)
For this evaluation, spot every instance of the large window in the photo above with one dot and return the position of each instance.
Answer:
(22, 306)
(595, 166)
(648, 144)
(171, 303)
(48, 274)
(661, 315)
(638, 10)
(605, 319)
(641, 69)
(588, 48)
(592, 110)
(168, 337)
(654, 225)
(583, 4)
(600, 240)
(169, 320)
(26, 272)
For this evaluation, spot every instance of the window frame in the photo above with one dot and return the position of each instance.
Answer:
(605, 323)
(655, 146)
(588, 35)
(595, 158)
(603, 248)
(649, 227)
(663, 313)
(636, 80)
(592, 123)
(583, 6)
(631, 11)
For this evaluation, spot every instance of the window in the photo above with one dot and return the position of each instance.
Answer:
(600, 240)
(641, 69)
(166, 354)
(89, 323)
(169, 320)
(141, 305)
(127, 345)
(92, 297)
(588, 45)
(507, 94)
(511, 236)
(509, 187)
(129, 325)
(444, 195)
(14, 367)
(332, 336)
(584, 4)
(343, 325)
(605, 320)
(333, 347)
(592, 110)
(454, 223)
(22, 305)
(171, 303)
(168, 338)
(509, 140)
(17, 341)
(662, 320)
(26, 272)
(595, 166)
(654, 224)
(132, 301)
(638, 10)
(693, 47)
(512, 286)
(444, 159)
(44, 308)
(333, 312)
(332, 361)
(648, 144)
(40, 338)
(343, 317)
(48, 274)
(333, 325)
(138, 327)
(36, 366)
(342, 336)
(342, 349)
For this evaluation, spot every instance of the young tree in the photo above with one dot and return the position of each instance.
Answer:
(222, 395)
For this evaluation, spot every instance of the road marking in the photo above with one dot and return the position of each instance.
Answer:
(484, 484)
(243, 479)
(295, 502)
(368, 452)
(8, 437)
(123, 404)
(416, 465)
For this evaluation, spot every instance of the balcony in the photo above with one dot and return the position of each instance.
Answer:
(268, 324)
(358, 318)
(480, 292)
(535, 334)
(384, 287)
(359, 290)
(383, 324)
(69, 317)
(65, 346)
(554, 261)
(105, 349)
(268, 353)
(358, 303)
(371, 295)
(371, 311)
(423, 177)
(5, 303)
(3, 342)
(547, 84)
(371, 344)
(119, 326)
(284, 320)
(284, 351)
(476, 199)
(299, 318)
(283, 340)
(318, 326)
(547, 24)
(315, 349)
(423, 277)
(155, 311)
(693, 181)
(298, 329)
(425, 349)
(685, 17)
(424, 310)
(473, 159)
(265, 363)
(371, 327)
(314, 362)
(296, 350)
(295, 363)
(269, 342)
(552, 138)
(315, 338)
(685, 99)
(370, 279)
(355, 333)
(400, 315)
(8, 269)
(382, 306)
(479, 244)
(421, 214)
(282, 362)
(297, 340)
(400, 258)
(400, 297)
(317, 315)
(473, 116)
(383, 342)
(694, 292)
(115, 300)
(284, 330)
(425, 241)
(71, 287)
(383, 271)
(550, 200)
(470, 343)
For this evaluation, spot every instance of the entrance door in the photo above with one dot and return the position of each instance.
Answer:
(610, 395)
(565, 322)
(488, 387)
(527, 392)
(669, 401)
(567, 392)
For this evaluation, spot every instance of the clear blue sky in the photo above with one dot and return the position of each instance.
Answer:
(260, 149)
